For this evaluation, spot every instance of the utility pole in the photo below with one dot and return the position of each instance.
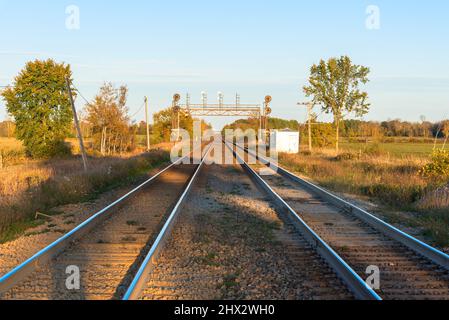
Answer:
(176, 117)
(148, 124)
(77, 125)
(309, 106)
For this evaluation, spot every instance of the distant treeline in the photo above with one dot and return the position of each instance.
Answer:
(397, 128)
(253, 123)
(350, 128)
(359, 128)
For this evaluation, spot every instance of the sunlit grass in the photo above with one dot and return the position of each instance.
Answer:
(43, 185)
(391, 181)
(10, 144)
(397, 149)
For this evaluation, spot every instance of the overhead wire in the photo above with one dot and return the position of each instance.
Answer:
(87, 102)
(137, 112)
(81, 95)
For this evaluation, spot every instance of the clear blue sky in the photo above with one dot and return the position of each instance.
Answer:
(255, 48)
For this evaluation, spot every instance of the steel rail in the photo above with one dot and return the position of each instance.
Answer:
(354, 282)
(416, 245)
(42, 257)
(139, 282)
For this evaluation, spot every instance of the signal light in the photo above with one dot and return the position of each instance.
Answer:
(268, 99)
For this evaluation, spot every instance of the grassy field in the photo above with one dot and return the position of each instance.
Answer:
(396, 149)
(388, 178)
(10, 144)
(32, 186)
(11, 152)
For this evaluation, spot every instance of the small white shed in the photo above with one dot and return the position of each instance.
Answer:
(286, 140)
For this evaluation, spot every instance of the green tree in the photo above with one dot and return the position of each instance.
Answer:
(253, 123)
(162, 127)
(243, 124)
(109, 120)
(40, 105)
(335, 85)
(323, 134)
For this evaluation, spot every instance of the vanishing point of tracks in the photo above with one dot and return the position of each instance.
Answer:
(322, 248)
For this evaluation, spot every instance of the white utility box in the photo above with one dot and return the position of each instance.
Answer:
(286, 141)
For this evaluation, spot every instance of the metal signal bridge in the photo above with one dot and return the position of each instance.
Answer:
(221, 109)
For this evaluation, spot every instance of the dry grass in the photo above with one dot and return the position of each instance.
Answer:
(10, 144)
(392, 181)
(435, 199)
(11, 152)
(43, 185)
(389, 181)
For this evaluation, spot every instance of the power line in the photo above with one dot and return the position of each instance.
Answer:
(321, 113)
(87, 102)
(140, 109)
(81, 95)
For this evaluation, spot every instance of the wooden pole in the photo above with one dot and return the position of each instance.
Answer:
(147, 117)
(77, 125)
(310, 108)
(178, 126)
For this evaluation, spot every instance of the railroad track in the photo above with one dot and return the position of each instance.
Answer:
(213, 255)
(409, 269)
(108, 248)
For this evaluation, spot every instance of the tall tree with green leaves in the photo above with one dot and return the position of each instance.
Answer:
(39, 103)
(162, 128)
(335, 85)
(109, 119)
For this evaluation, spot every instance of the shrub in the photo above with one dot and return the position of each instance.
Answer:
(10, 157)
(323, 135)
(60, 149)
(438, 167)
(347, 156)
(374, 149)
